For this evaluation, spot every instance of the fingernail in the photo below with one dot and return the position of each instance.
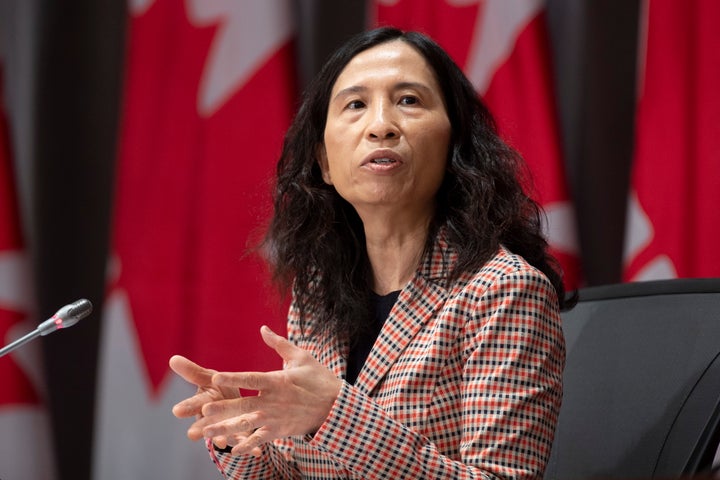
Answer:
(179, 410)
(267, 329)
(209, 409)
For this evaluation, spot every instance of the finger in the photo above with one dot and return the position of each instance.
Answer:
(231, 408)
(191, 406)
(256, 452)
(245, 380)
(253, 442)
(195, 432)
(233, 440)
(242, 425)
(220, 442)
(281, 345)
(191, 371)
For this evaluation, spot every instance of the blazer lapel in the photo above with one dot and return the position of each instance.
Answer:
(417, 304)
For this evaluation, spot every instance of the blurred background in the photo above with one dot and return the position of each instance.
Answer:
(137, 146)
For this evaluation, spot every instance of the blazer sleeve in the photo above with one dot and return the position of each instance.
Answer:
(274, 463)
(514, 354)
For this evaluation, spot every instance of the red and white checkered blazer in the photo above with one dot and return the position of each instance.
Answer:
(462, 382)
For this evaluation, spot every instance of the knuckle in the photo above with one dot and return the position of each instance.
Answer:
(253, 381)
(255, 440)
(243, 424)
(210, 409)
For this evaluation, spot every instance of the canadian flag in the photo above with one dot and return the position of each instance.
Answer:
(25, 447)
(503, 47)
(209, 93)
(673, 220)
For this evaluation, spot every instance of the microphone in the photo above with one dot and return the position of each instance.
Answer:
(67, 316)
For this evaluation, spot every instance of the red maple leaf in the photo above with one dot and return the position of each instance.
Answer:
(190, 193)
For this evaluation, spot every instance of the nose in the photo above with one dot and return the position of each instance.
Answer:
(383, 124)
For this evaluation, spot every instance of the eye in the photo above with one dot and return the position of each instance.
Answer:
(354, 105)
(409, 100)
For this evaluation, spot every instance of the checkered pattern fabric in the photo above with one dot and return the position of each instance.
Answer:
(464, 382)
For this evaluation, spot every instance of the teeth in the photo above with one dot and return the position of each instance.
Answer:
(382, 160)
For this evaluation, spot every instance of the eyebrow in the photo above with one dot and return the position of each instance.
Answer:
(398, 86)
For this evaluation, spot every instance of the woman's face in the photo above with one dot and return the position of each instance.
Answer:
(387, 133)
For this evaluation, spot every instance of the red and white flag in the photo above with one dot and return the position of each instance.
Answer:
(209, 93)
(25, 440)
(673, 220)
(503, 47)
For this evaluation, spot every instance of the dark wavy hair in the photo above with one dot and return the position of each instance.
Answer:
(315, 241)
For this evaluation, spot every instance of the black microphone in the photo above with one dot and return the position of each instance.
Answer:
(67, 316)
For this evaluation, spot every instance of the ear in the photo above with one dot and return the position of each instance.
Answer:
(321, 155)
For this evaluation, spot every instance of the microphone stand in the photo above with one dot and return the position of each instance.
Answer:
(20, 342)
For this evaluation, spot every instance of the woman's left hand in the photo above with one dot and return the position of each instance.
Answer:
(292, 401)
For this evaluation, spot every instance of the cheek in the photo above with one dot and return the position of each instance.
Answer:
(332, 140)
(437, 144)
(436, 148)
(334, 164)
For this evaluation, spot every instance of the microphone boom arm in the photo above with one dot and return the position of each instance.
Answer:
(67, 316)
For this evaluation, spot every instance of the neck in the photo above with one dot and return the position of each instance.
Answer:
(394, 249)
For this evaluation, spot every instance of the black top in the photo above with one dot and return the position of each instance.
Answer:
(363, 342)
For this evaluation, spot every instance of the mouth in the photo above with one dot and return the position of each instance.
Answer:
(382, 161)
(382, 158)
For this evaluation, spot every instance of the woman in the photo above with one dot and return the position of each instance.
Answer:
(424, 338)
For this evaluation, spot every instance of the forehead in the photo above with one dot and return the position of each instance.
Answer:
(394, 61)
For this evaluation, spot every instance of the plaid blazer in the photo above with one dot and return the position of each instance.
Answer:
(462, 382)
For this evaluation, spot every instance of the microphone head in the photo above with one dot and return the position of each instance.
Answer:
(67, 316)
(74, 312)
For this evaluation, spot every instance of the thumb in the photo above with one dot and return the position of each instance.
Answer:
(280, 344)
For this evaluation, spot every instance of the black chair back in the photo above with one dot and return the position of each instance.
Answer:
(642, 382)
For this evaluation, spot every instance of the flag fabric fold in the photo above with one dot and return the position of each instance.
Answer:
(672, 222)
(209, 92)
